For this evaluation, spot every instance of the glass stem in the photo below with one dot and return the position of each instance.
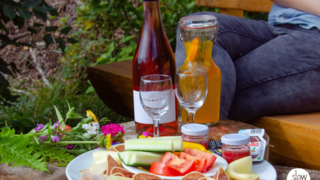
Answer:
(191, 116)
(156, 127)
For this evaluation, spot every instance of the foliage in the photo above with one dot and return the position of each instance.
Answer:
(19, 12)
(55, 142)
(17, 150)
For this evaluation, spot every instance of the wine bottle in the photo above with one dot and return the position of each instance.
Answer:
(153, 56)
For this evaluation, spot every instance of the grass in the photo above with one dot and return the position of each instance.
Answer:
(38, 107)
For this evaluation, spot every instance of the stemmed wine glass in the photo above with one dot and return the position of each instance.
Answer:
(191, 90)
(156, 95)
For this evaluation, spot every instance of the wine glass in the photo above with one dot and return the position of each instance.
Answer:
(156, 95)
(191, 90)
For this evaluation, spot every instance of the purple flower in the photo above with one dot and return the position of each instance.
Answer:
(55, 138)
(41, 138)
(38, 128)
(69, 146)
(56, 125)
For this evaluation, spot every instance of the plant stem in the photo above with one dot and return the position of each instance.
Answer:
(71, 142)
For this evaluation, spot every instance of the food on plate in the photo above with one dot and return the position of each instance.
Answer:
(117, 148)
(145, 176)
(221, 174)
(118, 174)
(100, 157)
(200, 154)
(200, 163)
(87, 175)
(241, 169)
(182, 165)
(98, 168)
(163, 169)
(193, 176)
(114, 177)
(123, 171)
(139, 158)
(111, 164)
(206, 178)
(157, 144)
(192, 145)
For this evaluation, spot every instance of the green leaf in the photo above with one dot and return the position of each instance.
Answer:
(62, 43)
(90, 90)
(3, 27)
(127, 38)
(59, 116)
(44, 9)
(37, 25)
(32, 30)
(48, 39)
(36, 139)
(54, 12)
(49, 130)
(95, 3)
(40, 15)
(24, 13)
(51, 28)
(69, 107)
(66, 30)
(9, 12)
(72, 40)
(31, 3)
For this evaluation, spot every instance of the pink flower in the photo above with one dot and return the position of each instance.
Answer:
(145, 134)
(69, 146)
(38, 128)
(112, 129)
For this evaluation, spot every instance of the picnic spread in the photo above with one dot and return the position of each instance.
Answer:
(228, 126)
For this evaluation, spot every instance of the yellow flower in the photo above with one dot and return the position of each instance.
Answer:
(91, 114)
(108, 141)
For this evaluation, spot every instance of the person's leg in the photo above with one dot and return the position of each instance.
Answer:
(236, 37)
(279, 77)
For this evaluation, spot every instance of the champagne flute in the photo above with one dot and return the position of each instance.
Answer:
(156, 95)
(191, 91)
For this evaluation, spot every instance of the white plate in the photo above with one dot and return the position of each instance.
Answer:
(264, 169)
(211, 172)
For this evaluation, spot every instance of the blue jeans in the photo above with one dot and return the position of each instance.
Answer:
(266, 70)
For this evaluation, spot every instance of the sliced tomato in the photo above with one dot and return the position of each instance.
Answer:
(163, 169)
(182, 165)
(200, 154)
(200, 163)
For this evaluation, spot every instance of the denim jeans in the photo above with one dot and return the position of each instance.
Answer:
(266, 69)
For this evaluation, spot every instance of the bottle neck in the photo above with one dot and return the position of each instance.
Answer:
(152, 15)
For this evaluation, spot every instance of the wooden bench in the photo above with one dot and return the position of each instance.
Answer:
(294, 139)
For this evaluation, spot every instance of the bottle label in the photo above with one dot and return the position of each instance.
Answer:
(257, 143)
(141, 116)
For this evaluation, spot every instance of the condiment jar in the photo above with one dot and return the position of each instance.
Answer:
(235, 146)
(196, 133)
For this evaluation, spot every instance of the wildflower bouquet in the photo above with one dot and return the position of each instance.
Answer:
(57, 141)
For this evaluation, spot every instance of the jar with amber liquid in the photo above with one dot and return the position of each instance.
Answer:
(199, 32)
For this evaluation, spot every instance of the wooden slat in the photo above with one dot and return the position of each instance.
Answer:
(246, 5)
(295, 139)
(232, 12)
(113, 84)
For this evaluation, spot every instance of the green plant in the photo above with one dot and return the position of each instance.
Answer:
(19, 12)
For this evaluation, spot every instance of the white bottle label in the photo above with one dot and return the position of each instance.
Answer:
(141, 116)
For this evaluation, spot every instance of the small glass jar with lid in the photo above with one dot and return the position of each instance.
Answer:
(235, 146)
(197, 133)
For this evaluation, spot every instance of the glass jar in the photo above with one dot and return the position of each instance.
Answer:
(196, 133)
(198, 33)
(235, 146)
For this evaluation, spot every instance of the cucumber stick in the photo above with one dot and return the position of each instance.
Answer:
(158, 144)
(135, 158)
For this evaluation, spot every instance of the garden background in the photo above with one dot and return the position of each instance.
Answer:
(78, 34)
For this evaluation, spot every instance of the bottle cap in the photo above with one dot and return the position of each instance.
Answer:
(195, 129)
(235, 139)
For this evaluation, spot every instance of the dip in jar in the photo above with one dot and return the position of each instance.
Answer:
(235, 146)
(196, 133)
